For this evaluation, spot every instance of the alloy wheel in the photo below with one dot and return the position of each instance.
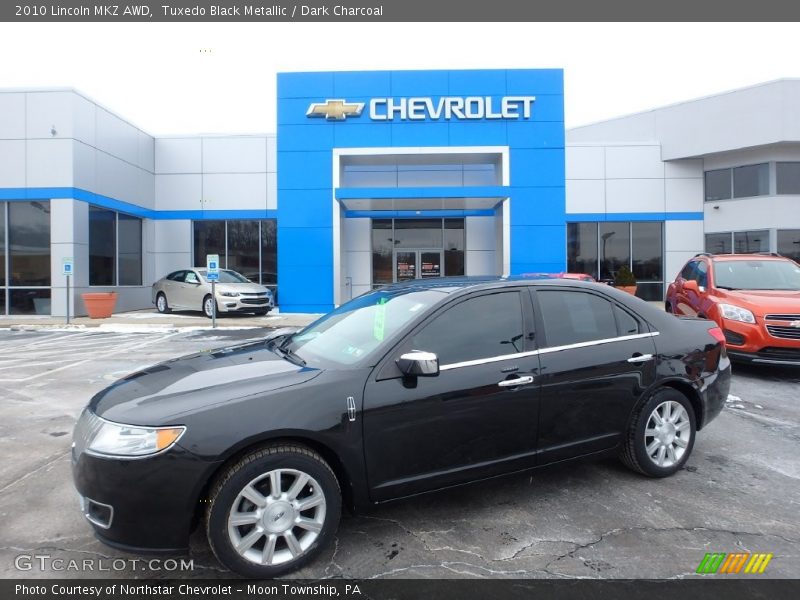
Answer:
(161, 303)
(277, 517)
(667, 433)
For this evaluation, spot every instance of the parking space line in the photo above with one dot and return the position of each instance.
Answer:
(116, 351)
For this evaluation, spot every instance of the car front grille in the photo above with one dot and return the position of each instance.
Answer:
(253, 294)
(779, 353)
(782, 317)
(788, 333)
(254, 301)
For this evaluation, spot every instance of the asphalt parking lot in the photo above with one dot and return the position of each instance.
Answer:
(738, 492)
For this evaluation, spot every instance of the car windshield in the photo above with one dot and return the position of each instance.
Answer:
(757, 274)
(226, 276)
(353, 331)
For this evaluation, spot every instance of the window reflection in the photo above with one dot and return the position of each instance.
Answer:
(614, 248)
(29, 243)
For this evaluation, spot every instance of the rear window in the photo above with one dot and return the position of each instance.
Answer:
(571, 317)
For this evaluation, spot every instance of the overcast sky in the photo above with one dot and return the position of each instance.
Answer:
(220, 78)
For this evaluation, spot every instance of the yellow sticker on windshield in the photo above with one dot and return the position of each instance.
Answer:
(379, 320)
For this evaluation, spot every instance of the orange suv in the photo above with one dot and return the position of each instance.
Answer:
(754, 298)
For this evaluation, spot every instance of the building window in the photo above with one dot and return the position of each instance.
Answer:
(749, 242)
(25, 257)
(249, 247)
(751, 180)
(787, 177)
(719, 243)
(738, 182)
(419, 247)
(600, 249)
(433, 170)
(115, 248)
(718, 184)
(789, 243)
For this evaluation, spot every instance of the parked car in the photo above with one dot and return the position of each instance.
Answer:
(408, 389)
(754, 298)
(189, 289)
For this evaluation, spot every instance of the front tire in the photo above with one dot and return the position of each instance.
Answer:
(661, 435)
(208, 307)
(273, 511)
(161, 303)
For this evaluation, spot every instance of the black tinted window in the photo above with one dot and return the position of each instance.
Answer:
(176, 276)
(476, 328)
(688, 270)
(571, 317)
(702, 274)
(626, 324)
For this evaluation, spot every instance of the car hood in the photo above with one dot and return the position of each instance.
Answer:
(764, 302)
(165, 393)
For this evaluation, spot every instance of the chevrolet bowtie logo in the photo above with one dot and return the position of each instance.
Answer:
(795, 324)
(335, 110)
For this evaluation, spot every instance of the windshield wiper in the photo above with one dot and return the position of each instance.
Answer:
(726, 287)
(282, 349)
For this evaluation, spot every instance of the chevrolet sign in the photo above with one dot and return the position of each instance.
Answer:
(419, 109)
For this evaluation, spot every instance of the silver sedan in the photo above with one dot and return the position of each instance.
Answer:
(189, 289)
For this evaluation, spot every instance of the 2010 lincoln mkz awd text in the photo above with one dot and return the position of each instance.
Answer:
(407, 389)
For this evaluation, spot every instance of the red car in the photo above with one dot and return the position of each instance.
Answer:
(754, 298)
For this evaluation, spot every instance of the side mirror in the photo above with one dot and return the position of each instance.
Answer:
(691, 286)
(420, 364)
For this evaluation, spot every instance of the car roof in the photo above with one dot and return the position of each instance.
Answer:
(455, 284)
(756, 256)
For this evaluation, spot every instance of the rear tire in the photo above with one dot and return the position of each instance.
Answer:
(273, 511)
(162, 305)
(661, 434)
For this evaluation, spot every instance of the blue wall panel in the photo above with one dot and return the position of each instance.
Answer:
(305, 163)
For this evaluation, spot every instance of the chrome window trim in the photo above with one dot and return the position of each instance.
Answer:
(491, 359)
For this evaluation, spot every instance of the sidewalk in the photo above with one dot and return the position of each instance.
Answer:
(149, 320)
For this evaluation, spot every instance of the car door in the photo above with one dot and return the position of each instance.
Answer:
(597, 358)
(476, 418)
(192, 291)
(170, 287)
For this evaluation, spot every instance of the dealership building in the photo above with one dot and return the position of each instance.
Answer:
(376, 177)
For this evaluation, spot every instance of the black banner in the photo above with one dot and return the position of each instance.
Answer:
(707, 588)
(399, 10)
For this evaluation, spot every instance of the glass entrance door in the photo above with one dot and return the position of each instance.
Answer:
(417, 264)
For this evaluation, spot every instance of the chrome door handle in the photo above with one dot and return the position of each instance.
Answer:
(516, 382)
(641, 358)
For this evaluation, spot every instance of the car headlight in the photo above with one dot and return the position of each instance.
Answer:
(735, 313)
(229, 294)
(116, 439)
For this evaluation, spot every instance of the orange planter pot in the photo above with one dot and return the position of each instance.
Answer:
(631, 289)
(99, 305)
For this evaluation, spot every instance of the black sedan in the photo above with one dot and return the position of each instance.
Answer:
(408, 389)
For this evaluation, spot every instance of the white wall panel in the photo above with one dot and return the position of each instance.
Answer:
(272, 154)
(234, 154)
(585, 162)
(357, 235)
(634, 162)
(50, 110)
(684, 235)
(481, 262)
(272, 191)
(683, 168)
(586, 195)
(12, 115)
(172, 236)
(12, 163)
(177, 155)
(359, 267)
(635, 195)
(480, 233)
(116, 137)
(178, 192)
(242, 191)
(684, 195)
(118, 179)
(49, 163)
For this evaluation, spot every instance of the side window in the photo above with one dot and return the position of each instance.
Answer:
(476, 328)
(688, 270)
(191, 277)
(626, 324)
(176, 276)
(571, 317)
(702, 274)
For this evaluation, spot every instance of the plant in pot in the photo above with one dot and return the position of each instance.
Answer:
(624, 280)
